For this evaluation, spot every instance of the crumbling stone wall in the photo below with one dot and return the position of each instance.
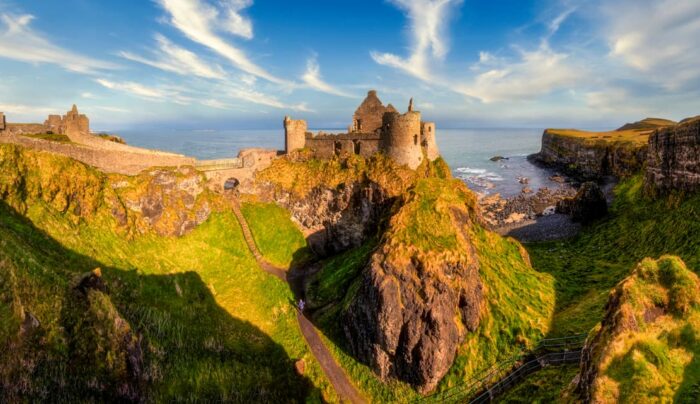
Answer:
(109, 161)
(368, 116)
(324, 146)
(24, 128)
(401, 136)
(294, 134)
(2, 121)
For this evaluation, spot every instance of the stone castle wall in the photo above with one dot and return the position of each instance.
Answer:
(324, 146)
(673, 158)
(110, 161)
(294, 134)
(24, 128)
(401, 138)
(2, 121)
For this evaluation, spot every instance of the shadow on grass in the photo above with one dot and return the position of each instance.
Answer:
(182, 345)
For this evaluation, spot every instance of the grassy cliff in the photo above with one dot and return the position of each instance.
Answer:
(204, 321)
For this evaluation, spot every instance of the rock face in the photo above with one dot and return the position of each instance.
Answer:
(590, 160)
(641, 350)
(498, 211)
(342, 217)
(587, 205)
(674, 158)
(421, 291)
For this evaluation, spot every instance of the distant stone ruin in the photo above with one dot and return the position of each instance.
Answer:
(73, 124)
(375, 128)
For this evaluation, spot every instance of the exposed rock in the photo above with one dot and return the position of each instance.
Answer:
(674, 158)
(587, 205)
(497, 211)
(416, 303)
(90, 281)
(498, 158)
(523, 180)
(590, 159)
(526, 190)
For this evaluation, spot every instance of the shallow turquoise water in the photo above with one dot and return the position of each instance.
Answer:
(467, 151)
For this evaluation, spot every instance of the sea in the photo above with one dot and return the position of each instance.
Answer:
(467, 151)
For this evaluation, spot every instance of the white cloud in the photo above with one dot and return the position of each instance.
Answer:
(658, 38)
(428, 19)
(536, 73)
(200, 22)
(147, 92)
(24, 110)
(312, 78)
(256, 97)
(236, 23)
(173, 58)
(19, 41)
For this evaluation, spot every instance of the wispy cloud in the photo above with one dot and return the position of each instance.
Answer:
(658, 38)
(175, 59)
(146, 92)
(533, 74)
(312, 78)
(256, 97)
(19, 41)
(427, 22)
(201, 22)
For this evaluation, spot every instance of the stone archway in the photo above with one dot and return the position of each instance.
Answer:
(231, 184)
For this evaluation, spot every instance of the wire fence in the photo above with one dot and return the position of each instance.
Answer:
(501, 376)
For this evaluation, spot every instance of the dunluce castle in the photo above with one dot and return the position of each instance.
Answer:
(375, 128)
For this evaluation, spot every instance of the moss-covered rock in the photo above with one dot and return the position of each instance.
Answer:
(169, 201)
(646, 348)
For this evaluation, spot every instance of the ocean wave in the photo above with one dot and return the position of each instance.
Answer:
(469, 170)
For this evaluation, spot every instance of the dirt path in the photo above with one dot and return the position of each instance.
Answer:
(335, 374)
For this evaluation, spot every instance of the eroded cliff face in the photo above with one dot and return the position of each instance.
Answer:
(590, 159)
(674, 158)
(338, 203)
(643, 349)
(170, 202)
(421, 293)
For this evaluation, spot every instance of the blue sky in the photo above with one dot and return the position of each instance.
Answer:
(202, 64)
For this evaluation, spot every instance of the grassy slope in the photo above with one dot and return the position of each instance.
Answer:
(519, 300)
(589, 265)
(216, 326)
(634, 137)
(277, 237)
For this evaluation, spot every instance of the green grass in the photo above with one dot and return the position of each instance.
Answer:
(279, 240)
(50, 136)
(215, 326)
(537, 388)
(589, 265)
(519, 300)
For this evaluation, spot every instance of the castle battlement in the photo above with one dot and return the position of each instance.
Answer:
(375, 128)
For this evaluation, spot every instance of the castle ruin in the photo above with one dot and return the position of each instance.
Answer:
(73, 124)
(374, 128)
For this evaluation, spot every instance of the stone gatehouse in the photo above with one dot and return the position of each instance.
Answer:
(374, 128)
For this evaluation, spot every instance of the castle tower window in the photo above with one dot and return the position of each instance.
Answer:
(415, 140)
(357, 145)
(358, 125)
(338, 147)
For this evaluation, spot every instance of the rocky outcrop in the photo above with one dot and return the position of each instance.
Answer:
(674, 158)
(641, 350)
(421, 293)
(587, 205)
(498, 211)
(169, 201)
(338, 203)
(589, 158)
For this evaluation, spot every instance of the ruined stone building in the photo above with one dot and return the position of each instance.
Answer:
(375, 128)
(70, 124)
(73, 124)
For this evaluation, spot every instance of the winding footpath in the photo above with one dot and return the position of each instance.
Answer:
(335, 374)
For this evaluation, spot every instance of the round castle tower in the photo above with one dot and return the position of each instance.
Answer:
(401, 137)
(294, 134)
